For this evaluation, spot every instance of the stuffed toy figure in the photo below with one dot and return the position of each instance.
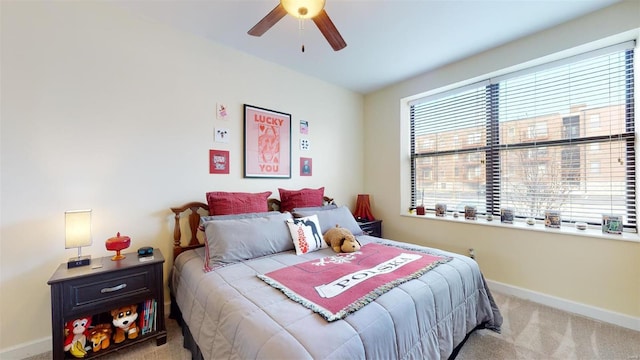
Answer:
(100, 336)
(77, 332)
(124, 319)
(341, 240)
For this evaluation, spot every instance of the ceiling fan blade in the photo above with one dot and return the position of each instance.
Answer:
(329, 31)
(268, 21)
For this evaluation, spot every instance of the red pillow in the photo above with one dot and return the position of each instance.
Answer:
(290, 199)
(226, 203)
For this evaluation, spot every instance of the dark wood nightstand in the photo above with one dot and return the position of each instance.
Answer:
(95, 291)
(372, 228)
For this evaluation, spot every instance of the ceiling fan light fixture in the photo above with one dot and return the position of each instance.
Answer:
(303, 9)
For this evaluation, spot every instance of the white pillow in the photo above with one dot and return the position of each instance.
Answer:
(306, 234)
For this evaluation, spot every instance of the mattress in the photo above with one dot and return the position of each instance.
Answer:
(232, 314)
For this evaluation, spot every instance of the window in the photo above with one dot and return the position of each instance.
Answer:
(571, 127)
(559, 136)
(594, 120)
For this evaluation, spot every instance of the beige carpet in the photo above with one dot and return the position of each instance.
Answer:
(530, 331)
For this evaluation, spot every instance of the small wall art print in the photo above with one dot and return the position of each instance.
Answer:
(306, 167)
(218, 162)
(221, 111)
(221, 135)
(267, 143)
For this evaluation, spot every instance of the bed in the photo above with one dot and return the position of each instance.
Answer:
(228, 310)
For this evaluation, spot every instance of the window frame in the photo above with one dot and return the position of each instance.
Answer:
(493, 152)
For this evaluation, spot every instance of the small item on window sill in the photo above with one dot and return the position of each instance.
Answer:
(531, 221)
(420, 210)
(470, 212)
(581, 226)
(441, 209)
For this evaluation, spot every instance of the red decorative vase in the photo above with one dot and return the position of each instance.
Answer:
(117, 244)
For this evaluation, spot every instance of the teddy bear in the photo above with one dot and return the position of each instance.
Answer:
(341, 240)
(100, 336)
(76, 336)
(124, 319)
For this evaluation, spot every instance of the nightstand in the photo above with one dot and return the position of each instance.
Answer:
(94, 290)
(372, 228)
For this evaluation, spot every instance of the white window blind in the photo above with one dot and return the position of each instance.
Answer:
(556, 137)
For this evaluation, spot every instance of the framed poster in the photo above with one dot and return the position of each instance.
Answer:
(306, 167)
(267, 143)
(218, 162)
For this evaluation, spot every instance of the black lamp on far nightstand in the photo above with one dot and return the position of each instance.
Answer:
(77, 225)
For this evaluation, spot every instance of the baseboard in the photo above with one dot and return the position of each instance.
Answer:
(589, 311)
(27, 349)
(40, 346)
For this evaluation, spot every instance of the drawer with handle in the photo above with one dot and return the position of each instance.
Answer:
(89, 293)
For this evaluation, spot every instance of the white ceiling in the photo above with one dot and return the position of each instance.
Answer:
(387, 40)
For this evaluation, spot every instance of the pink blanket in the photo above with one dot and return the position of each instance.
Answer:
(338, 285)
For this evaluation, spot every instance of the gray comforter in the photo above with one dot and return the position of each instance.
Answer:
(232, 314)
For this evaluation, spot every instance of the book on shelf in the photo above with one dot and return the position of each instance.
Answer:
(612, 224)
(552, 219)
(506, 215)
(148, 318)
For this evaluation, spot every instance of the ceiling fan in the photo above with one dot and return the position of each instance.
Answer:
(302, 9)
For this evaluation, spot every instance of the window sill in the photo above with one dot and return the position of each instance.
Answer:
(519, 224)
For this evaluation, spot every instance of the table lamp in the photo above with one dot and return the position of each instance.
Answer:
(77, 234)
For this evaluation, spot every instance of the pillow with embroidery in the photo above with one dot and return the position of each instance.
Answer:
(306, 234)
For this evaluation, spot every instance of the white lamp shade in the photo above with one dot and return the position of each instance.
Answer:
(304, 9)
(77, 228)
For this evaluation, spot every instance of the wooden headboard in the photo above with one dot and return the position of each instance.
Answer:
(194, 210)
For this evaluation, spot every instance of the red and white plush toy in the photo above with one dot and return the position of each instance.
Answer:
(77, 332)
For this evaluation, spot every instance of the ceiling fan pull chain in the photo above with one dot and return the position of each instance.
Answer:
(301, 31)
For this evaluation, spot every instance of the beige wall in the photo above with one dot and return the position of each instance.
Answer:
(116, 113)
(592, 271)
